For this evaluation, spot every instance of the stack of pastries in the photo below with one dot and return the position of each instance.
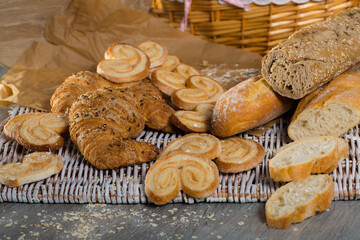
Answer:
(143, 86)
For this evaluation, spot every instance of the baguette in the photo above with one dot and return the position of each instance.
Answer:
(314, 55)
(298, 200)
(299, 159)
(329, 111)
(247, 105)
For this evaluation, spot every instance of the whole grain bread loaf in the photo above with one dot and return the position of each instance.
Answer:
(314, 55)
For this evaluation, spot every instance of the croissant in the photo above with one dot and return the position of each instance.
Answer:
(101, 123)
(156, 111)
(78, 84)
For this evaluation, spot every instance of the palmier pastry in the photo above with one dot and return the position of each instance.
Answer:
(13, 124)
(167, 82)
(239, 155)
(42, 132)
(77, 84)
(101, 123)
(186, 71)
(202, 144)
(35, 167)
(194, 121)
(124, 63)
(170, 63)
(155, 51)
(200, 89)
(197, 176)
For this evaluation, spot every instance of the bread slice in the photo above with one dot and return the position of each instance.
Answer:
(35, 167)
(299, 159)
(298, 200)
(329, 111)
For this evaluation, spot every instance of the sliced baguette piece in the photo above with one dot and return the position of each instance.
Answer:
(35, 167)
(329, 111)
(299, 159)
(298, 200)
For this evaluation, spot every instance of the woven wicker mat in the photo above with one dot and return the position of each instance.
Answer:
(80, 182)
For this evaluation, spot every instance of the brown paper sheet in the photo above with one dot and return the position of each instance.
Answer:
(79, 38)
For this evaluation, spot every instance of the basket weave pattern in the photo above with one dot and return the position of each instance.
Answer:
(80, 182)
(257, 30)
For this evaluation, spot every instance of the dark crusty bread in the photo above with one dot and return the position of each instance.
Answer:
(314, 55)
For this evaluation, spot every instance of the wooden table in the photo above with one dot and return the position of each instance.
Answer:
(172, 221)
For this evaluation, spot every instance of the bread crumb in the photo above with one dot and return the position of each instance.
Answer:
(218, 237)
(221, 223)
(295, 229)
(241, 223)
(25, 216)
(162, 234)
(153, 224)
(194, 237)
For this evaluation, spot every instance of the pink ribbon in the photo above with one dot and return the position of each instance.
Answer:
(187, 6)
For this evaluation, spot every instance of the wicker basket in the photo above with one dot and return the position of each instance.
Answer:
(257, 30)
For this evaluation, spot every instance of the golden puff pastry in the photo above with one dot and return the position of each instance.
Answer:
(170, 63)
(239, 155)
(185, 70)
(35, 167)
(196, 175)
(167, 82)
(13, 124)
(202, 144)
(199, 89)
(124, 63)
(156, 52)
(38, 131)
(101, 123)
(194, 121)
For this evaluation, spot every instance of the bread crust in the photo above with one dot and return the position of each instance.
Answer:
(314, 55)
(321, 164)
(342, 93)
(320, 202)
(247, 105)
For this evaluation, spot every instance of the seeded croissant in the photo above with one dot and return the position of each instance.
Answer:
(102, 124)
